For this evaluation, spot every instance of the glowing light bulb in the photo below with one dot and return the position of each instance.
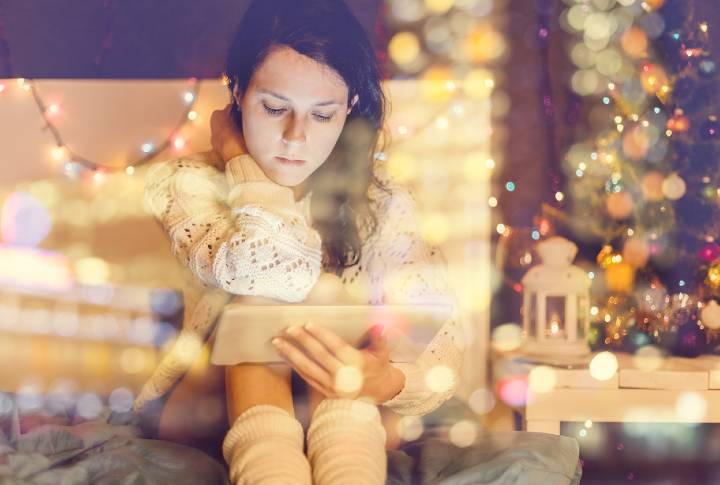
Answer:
(130, 170)
(179, 142)
(442, 123)
(53, 109)
(189, 97)
(192, 115)
(147, 147)
(58, 153)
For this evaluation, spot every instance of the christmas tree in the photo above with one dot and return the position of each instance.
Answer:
(647, 187)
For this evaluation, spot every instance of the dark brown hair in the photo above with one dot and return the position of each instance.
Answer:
(327, 32)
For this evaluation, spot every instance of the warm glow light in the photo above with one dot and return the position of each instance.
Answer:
(506, 337)
(481, 401)
(439, 6)
(410, 428)
(92, 271)
(440, 378)
(192, 115)
(478, 83)
(542, 379)
(463, 433)
(348, 379)
(179, 142)
(603, 366)
(648, 358)
(53, 109)
(34, 268)
(58, 153)
(691, 407)
(404, 48)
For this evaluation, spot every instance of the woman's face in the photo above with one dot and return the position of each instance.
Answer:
(292, 114)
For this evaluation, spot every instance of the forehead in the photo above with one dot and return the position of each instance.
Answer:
(298, 77)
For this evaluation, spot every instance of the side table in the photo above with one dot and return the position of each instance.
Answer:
(677, 390)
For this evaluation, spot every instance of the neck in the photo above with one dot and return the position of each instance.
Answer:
(299, 191)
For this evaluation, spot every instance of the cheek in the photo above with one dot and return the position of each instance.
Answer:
(329, 137)
(257, 132)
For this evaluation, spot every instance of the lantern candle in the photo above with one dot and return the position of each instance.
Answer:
(555, 302)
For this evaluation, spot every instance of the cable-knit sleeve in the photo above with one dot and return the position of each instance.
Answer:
(412, 271)
(236, 230)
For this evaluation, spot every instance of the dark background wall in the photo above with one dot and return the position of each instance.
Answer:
(125, 39)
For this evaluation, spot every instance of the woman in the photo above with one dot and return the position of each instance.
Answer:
(300, 196)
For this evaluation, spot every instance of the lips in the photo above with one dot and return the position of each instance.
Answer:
(290, 161)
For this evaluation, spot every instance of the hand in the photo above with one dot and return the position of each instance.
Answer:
(227, 141)
(336, 369)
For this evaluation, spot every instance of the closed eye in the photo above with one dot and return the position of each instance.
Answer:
(272, 111)
(322, 119)
(280, 111)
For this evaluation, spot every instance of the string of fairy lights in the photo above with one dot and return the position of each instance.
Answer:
(63, 152)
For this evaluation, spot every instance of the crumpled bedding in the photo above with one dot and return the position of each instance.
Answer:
(94, 452)
(111, 449)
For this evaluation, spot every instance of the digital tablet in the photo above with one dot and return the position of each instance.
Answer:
(244, 331)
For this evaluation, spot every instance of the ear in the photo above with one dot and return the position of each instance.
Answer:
(237, 95)
(353, 103)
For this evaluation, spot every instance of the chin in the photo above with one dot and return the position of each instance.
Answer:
(286, 181)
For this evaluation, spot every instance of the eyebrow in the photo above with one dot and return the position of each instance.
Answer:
(285, 98)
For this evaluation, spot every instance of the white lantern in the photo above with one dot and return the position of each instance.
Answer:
(556, 302)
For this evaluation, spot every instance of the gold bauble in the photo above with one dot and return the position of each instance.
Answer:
(620, 277)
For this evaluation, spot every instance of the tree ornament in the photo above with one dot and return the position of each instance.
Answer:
(653, 77)
(673, 187)
(651, 186)
(636, 252)
(620, 278)
(710, 315)
(712, 280)
(678, 123)
(619, 205)
(709, 252)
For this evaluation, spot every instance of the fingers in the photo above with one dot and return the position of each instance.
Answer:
(343, 351)
(315, 348)
(303, 365)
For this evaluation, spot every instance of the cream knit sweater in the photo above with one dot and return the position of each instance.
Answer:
(240, 233)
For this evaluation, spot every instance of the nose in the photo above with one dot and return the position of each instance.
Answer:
(294, 132)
